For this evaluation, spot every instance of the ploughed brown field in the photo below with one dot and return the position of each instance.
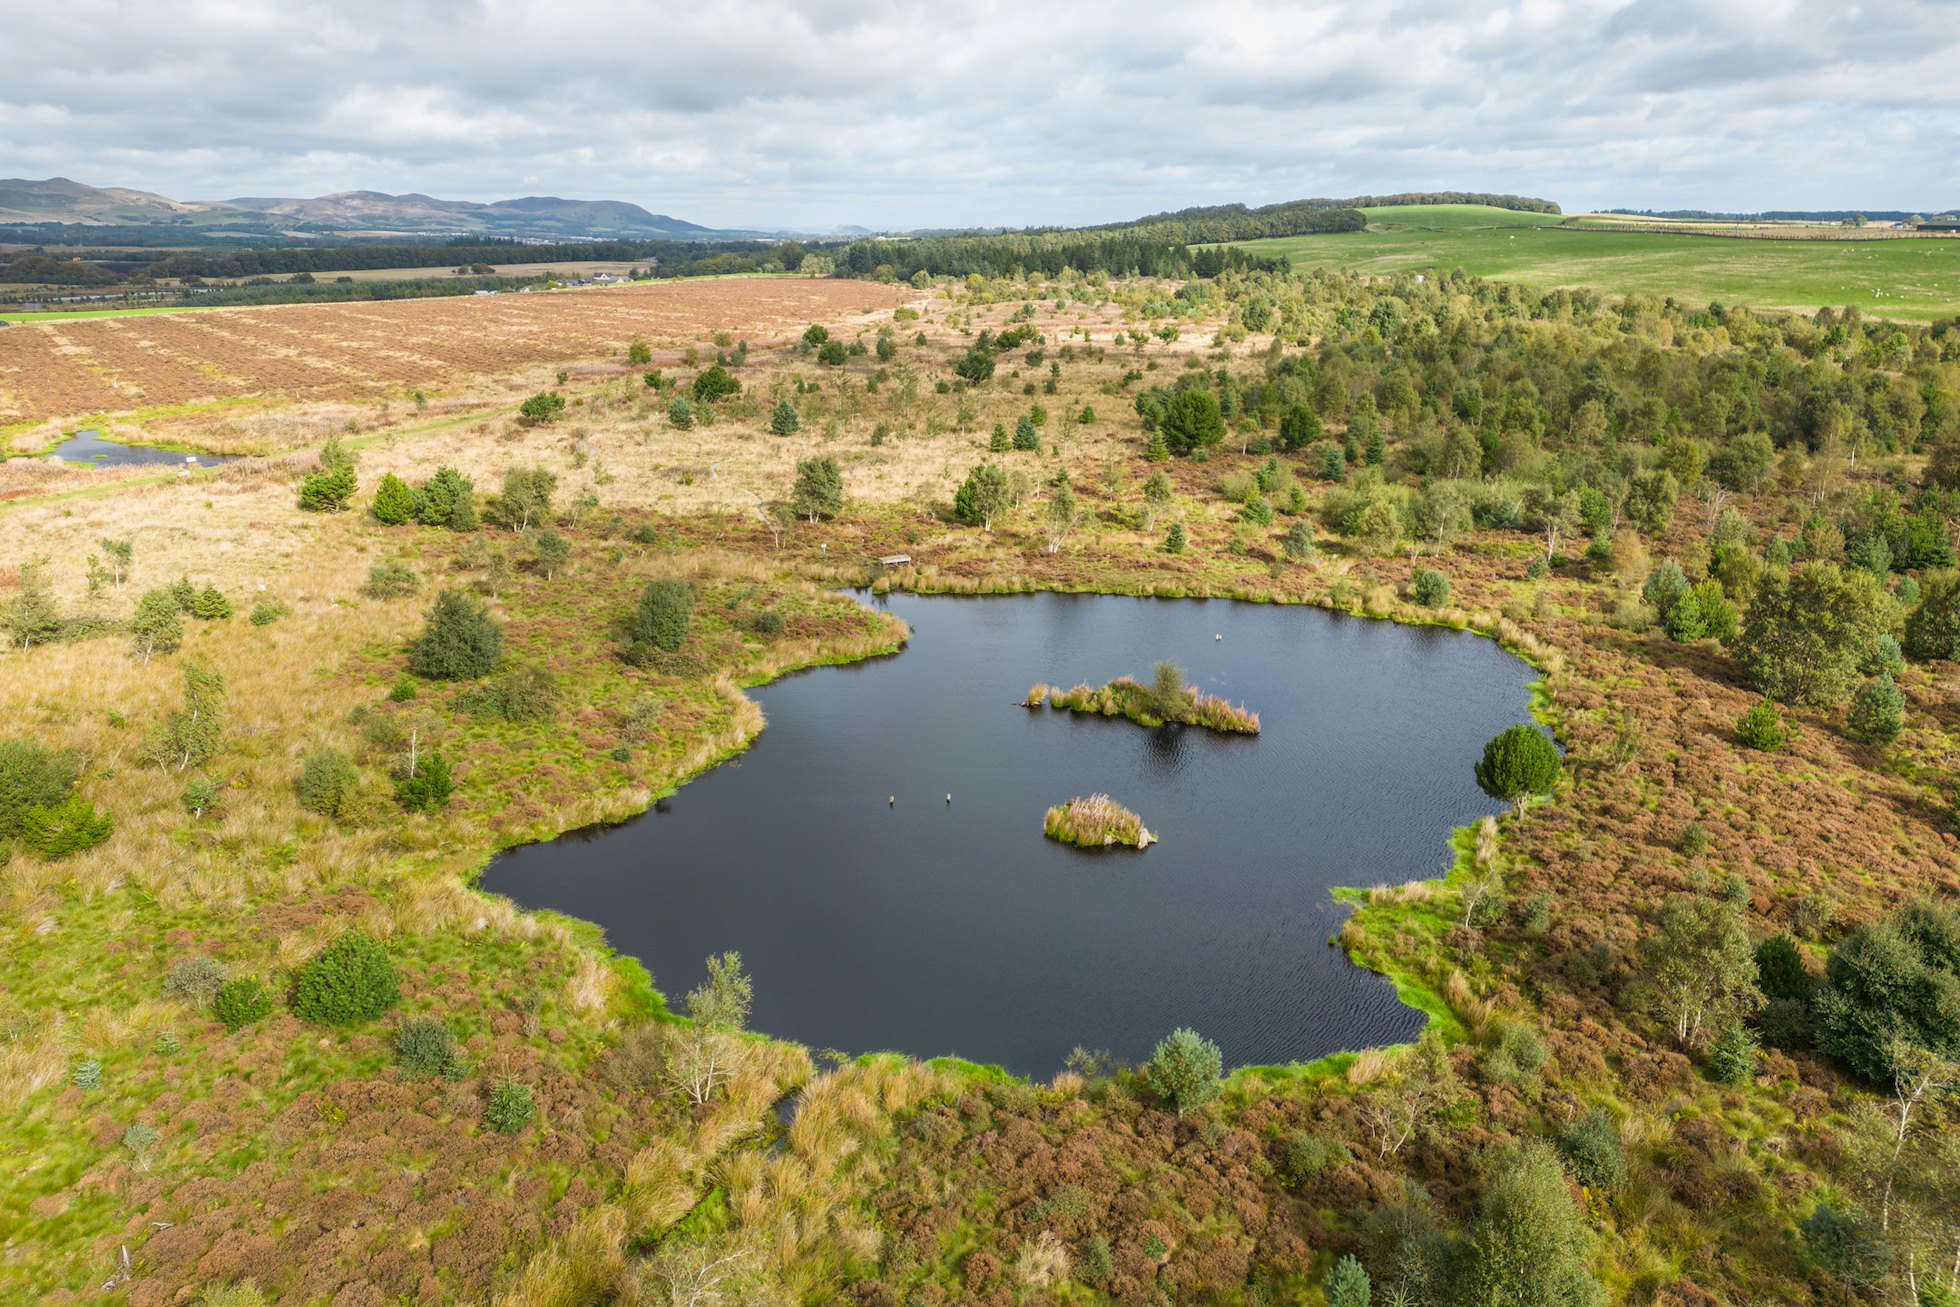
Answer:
(82, 367)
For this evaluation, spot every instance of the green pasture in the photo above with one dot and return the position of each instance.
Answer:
(1915, 279)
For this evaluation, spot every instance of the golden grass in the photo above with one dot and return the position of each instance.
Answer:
(1096, 822)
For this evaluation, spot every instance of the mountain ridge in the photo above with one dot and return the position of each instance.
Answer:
(344, 213)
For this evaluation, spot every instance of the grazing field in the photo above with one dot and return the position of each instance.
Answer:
(1911, 279)
(62, 370)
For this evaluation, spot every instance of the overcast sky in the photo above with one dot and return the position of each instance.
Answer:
(812, 113)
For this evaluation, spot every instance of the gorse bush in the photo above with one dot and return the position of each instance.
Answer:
(348, 981)
(241, 1002)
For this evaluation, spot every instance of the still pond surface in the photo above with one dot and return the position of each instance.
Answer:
(89, 447)
(927, 927)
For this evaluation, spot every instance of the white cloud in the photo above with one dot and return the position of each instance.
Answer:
(814, 112)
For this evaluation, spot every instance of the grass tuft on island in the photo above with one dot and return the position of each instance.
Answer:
(1096, 822)
(1166, 699)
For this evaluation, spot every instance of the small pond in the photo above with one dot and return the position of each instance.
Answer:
(89, 447)
(929, 928)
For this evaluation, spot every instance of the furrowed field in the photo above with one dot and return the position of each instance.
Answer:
(1913, 280)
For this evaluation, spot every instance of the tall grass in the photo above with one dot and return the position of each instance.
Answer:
(1125, 697)
(1096, 822)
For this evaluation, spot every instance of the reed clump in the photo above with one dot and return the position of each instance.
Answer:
(1167, 699)
(1096, 822)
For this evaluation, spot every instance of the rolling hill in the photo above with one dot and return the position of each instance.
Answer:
(59, 200)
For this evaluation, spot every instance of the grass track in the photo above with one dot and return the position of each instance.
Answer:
(1919, 278)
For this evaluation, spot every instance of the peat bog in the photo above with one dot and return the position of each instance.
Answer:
(874, 914)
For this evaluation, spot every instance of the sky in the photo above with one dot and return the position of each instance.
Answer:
(810, 114)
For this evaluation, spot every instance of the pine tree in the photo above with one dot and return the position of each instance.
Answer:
(784, 421)
(394, 502)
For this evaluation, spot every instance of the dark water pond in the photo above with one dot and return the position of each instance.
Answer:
(89, 447)
(931, 928)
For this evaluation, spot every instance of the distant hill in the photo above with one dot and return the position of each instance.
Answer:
(349, 214)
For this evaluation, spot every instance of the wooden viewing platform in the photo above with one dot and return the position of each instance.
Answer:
(896, 560)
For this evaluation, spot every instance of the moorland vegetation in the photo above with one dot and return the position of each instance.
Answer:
(1693, 1034)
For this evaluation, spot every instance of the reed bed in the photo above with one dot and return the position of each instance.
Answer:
(1126, 697)
(1096, 822)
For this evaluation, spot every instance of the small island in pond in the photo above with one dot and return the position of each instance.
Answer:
(1096, 822)
(1166, 699)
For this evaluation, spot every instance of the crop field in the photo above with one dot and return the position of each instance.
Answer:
(52, 371)
(1911, 279)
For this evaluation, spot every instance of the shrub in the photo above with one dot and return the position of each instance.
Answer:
(241, 1002)
(511, 1106)
(211, 605)
(1516, 1058)
(460, 642)
(427, 1047)
(1892, 987)
(717, 382)
(1299, 544)
(545, 406)
(390, 581)
(264, 614)
(1519, 763)
(1431, 588)
(428, 790)
(1307, 1156)
(784, 421)
(523, 694)
(195, 980)
(1694, 840)
(32, 776)
(1529, 1244)
(1878, 712)
(767, 622)
(819, 489)
(404, 690)
(660, 621)
(447, 499)
(158, 626)
(1666, 586)
(327, 782)
(832, 353)
(1732, 1058)
(1348, 1285)
(350, 980)
(201, 796)
(71, 826)
(680, 413)
(1591, 1150)
(1184, 1069)
(329, 489)
(1933, 628)
(394, 502)
(1781, 971)
(1174, 542)
(140, 1138)
(1762, 728)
